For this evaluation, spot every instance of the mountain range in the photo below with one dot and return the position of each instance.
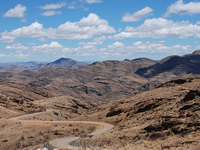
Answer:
(35, 66)
(108, 80)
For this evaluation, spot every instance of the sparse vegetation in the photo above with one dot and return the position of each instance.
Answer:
(167, 117)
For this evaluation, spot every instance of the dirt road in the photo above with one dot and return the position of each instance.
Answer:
(65, 142)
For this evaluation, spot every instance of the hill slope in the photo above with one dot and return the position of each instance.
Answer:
(168, 116)
(16, 99)
(173, 65)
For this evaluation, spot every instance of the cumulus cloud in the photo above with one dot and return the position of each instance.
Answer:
(86, 28)
(180, 8)
(92, 20)
(53, 6)
(97, 41)
(160, 28)
(2, 55)
(116, 45)
(17, 46)
(51, 13)
(117, 49)
(34, 30)
(42, 39)
(94, 1)
(143, 13)
(159, 47)
(18, 11)
(52, 48)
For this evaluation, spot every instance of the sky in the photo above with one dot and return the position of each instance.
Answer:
(97, 30)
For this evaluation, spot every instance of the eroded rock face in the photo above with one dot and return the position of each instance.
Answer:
(20, 105)
(114, 112)
(192, 94)
(21, 92)
(185, 119)
(19, 98)
(170, 110)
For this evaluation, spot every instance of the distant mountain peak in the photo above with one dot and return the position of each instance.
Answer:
(62, 59)
(66, 63)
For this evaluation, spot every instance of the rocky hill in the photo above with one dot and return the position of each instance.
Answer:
(173, 65)
(197, 52)
(166, 117)
(18, 98)
(108, 80)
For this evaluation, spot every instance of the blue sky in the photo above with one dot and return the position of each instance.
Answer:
(97, 30)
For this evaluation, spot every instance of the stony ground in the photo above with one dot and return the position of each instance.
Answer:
(167, 117)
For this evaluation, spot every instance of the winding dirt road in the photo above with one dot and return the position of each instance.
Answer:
(65, 142)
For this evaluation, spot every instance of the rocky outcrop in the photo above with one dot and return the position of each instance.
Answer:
(171, 110)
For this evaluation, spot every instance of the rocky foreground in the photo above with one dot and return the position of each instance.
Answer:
(167, 117)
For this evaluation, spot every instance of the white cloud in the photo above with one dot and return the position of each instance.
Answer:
(94, 1)
(51, 13)
(17, 46)
(198, 22)
(97, 41)
(160, 28)
(23, 20)
(143, 13)
(120, 29)
(7, 38)
(180, 8)
(116, 45)
(31, 43)
(43, 39)
(18, 11)
(86, 9)
(92, 20)
(71, 5)
(86, 28)
(34, 30)
(21, 56)
(117, 49)
(53, 47)
(53, 6)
